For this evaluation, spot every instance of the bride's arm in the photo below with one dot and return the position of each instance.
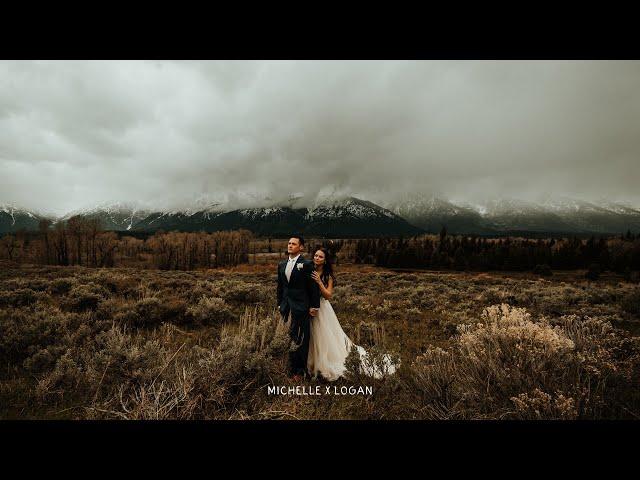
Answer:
(326, 292)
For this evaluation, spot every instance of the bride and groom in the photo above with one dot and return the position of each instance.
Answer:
(319, 345)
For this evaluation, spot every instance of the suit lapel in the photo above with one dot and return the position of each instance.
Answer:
(284, 272)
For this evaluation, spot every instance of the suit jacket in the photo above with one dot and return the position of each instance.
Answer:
(301, 292)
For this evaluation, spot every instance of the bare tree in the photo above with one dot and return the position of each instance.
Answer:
(106, 244)
(9, 244)
(77, 229)
(44, 227)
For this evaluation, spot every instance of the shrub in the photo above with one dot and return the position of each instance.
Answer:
(593, 272)
(18, 298)
(122, 285)
(242, 292)
(25, 333)
(128, 317)
(149, 311)
(252, 354)
(36, 339)
(510, 366)
(631, 302)
(109, 308)
(85, 297)
(543, 270)
(116, 360)
(537, 405)
(601, 295)
(211, 311)
(130, 359)
(38, 284)
(492, 295)
(204, 383)
(175, 311)
(202, 288)
(61, 286)
(152, 311)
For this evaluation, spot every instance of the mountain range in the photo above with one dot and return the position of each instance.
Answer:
(348, 216)
(499, 216)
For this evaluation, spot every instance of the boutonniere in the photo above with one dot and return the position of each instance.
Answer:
(299, 266)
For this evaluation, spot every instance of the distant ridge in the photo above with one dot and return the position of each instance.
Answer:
(500, 215)
(347, 217)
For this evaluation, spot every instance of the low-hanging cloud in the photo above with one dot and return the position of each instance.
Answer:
(77, 133)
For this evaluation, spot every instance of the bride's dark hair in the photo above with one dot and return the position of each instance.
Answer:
(327, 268)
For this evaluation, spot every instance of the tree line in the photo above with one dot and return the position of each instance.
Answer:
(82, 241)
(619, 254)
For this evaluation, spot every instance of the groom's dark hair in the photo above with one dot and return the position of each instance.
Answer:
(300, 239)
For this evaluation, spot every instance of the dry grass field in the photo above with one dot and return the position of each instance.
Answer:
(125, 343)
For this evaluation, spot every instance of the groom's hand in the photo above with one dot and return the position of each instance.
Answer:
(313, 312)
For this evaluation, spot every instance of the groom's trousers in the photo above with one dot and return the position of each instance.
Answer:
(299, 332)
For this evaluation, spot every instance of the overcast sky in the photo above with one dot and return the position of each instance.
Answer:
(77, 133)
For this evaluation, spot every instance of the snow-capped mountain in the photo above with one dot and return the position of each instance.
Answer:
(347, 216)
(432, 213)
(602, 217)
(13, 218)
(116, 216)
(193, 218)
(268, 221)
(350, 216)
(509, 215)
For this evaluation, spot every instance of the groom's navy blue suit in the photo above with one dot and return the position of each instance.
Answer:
(297, 296)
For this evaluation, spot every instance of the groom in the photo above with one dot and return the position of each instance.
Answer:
(298, 301)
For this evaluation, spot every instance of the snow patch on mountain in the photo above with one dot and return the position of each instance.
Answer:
(348, 207)
(13, 211)
(261, 213)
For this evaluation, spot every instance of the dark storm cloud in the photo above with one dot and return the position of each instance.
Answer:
(166, 133)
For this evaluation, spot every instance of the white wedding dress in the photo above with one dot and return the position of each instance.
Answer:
(329, 347)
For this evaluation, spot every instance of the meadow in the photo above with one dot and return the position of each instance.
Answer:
(128, 343)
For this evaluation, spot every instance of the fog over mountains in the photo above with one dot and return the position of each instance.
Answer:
(481, 146)
(348, 216)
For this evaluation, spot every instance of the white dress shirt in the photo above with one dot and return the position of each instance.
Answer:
(289, 267)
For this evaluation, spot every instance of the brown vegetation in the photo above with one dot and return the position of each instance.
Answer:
(81, 241)
(79, 342)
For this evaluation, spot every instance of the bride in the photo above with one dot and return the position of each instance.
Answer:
(329, 345)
